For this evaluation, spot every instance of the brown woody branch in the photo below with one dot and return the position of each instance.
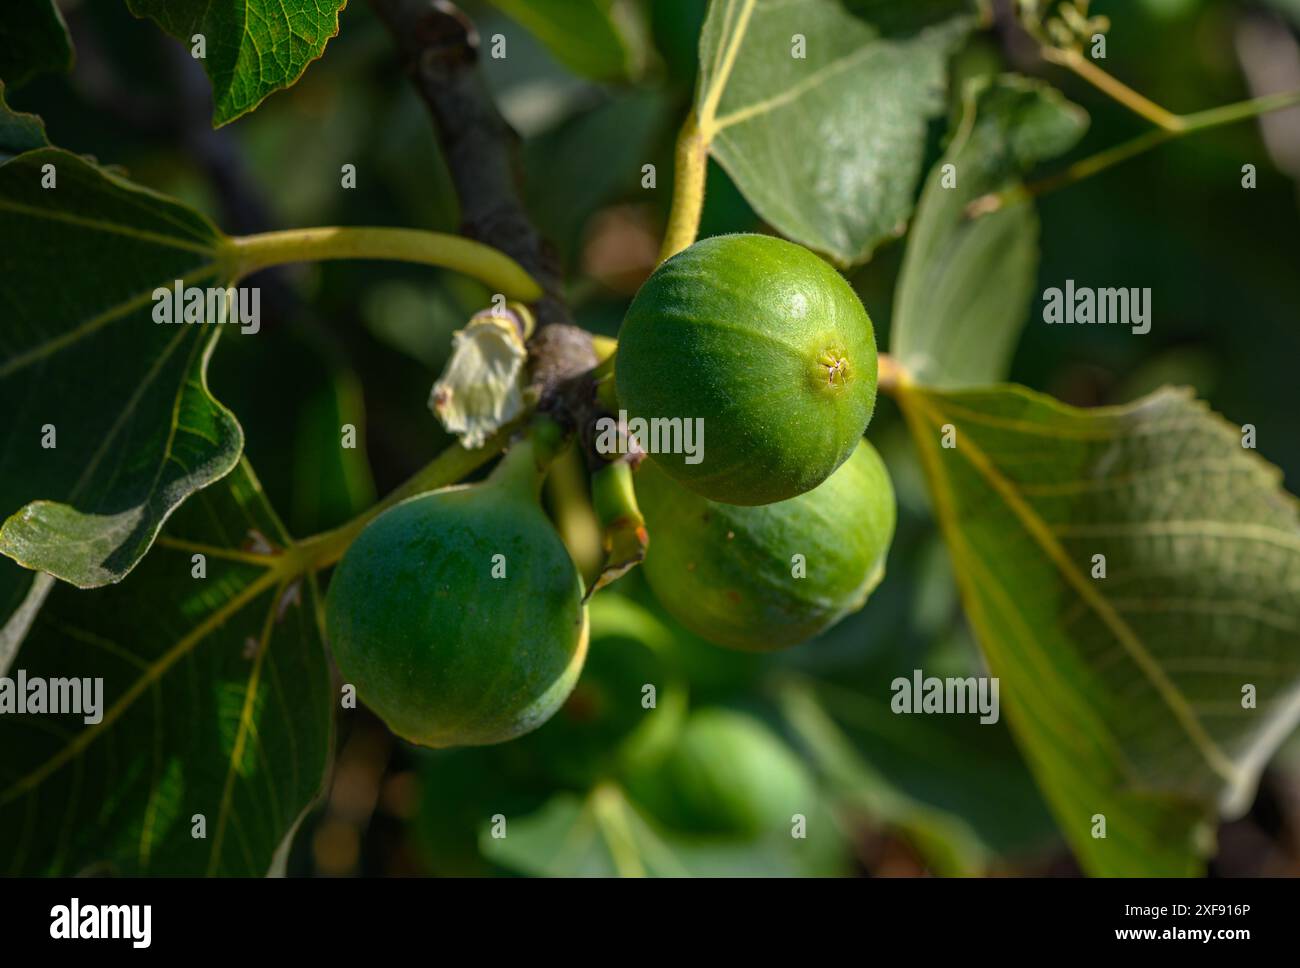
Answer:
(439, 49)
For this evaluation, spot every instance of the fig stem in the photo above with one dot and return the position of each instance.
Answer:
(493, 268)
(575, 520)
(527, 461)
(544, 441)
(452, 465)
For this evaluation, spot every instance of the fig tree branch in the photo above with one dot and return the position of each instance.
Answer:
(438, 47)
(1114, 88)
(1061, 41)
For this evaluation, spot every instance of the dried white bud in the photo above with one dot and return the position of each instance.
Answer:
(481, 388)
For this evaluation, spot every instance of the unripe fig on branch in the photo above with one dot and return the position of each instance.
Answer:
(762, 578)
(769, 347)
(728, 773)
(458, 615)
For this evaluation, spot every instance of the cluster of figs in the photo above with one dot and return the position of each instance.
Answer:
(458, 614)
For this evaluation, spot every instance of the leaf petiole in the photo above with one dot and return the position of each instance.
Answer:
(247, 254)
(690, 167)
(691, 162)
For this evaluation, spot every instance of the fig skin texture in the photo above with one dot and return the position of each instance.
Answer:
(769, 346)
(727, 774)
(443, 652)
(726, 572)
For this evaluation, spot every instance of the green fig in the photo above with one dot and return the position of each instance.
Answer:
(458, 614)
(762, 578)
(728, 773)
(765, 347)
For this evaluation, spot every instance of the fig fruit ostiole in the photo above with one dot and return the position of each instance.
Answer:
(766, 347)
(762, 578)
(458, 614)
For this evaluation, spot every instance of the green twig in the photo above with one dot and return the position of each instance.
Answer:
(1117, 154)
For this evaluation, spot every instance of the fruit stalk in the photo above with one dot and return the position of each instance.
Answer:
(453, 464)
(525, 464)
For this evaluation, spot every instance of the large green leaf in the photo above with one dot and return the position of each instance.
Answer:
(827, 147)
(595, 38)
(966, 283)
(253, 47)
(1125, 691)
(135, 430)
(33, 40)
(216, 702)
